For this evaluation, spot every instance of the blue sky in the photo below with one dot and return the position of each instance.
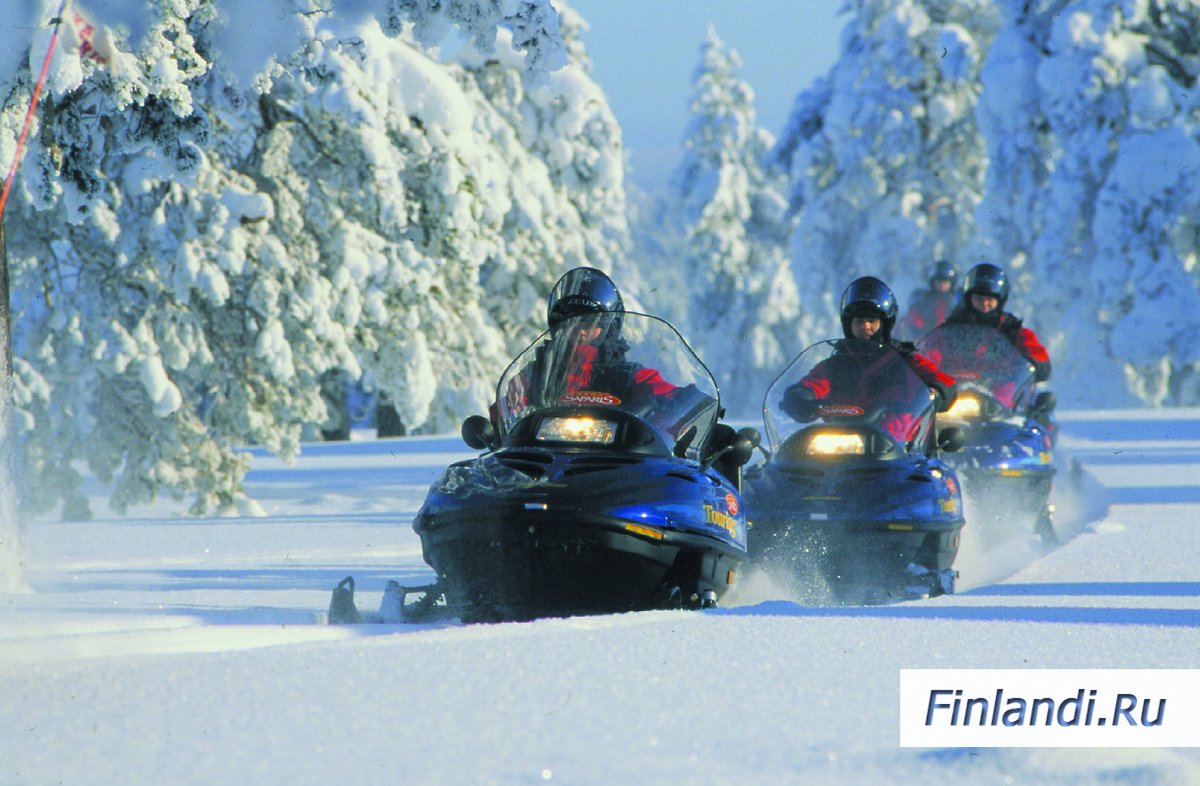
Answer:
(645, 52)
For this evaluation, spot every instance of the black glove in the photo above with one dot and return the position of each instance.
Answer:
(944, 396)
(800, 403)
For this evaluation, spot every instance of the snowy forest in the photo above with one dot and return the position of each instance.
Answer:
(225, 208)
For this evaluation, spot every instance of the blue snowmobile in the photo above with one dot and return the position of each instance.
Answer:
(853, 504)
(606, 485)
(1007, 461)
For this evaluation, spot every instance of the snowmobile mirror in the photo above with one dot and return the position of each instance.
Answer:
(1044, 402)
(479, 433)
(739, 450)
(751, 434)
(951, 439)
(732, 448)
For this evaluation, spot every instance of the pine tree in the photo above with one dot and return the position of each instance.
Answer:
(564, 146)
(885, 157)
(1091, 113)
(743, 304)
(190, 260)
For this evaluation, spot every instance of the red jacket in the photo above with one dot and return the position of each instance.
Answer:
(579, 377)
(873, 384)
(945, 386)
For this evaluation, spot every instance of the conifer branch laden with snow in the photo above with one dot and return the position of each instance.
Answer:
(190, 260)
(743, 311)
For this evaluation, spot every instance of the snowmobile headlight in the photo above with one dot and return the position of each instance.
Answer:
(591, 430)
(833, 443)
(965, 407)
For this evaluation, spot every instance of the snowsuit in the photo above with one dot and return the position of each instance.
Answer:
(844, 377)
(594, 371)
(586, 373)
(1024, 339)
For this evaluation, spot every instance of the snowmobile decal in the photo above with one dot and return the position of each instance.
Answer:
(722, 520)
(840, 410)
(591, 397)
(731, 504)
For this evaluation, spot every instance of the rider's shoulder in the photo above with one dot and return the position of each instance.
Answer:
(903, 347)
(957, 316)
(1010, 323)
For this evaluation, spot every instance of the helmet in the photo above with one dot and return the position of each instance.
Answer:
(869, 297)
(942, 270)
(986, 279)
(582, 290)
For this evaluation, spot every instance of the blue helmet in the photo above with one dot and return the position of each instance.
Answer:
(582, 290)
(869, 297)
(986, 279)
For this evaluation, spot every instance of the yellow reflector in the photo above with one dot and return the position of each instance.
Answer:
(590, 430)
(729, 576)
(949, 505)
(1011, 473)
(829, 443)
(647, 531)
(964, 408)
(901, 527)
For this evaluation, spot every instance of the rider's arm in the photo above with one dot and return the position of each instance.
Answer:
(1026, 341)
(801, 399)
(799, 402)
(944, 386)
(654, 380)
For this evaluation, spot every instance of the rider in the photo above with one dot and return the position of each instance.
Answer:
(597, 363)
(930, 306)
(868, 313)
(583, 291)
(984, 293)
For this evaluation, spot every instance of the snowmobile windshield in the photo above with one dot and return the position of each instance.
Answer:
(619, 381)
(838, 392)
(994, 379)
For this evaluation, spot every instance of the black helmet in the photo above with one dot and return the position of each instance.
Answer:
(942, 270)
(582, 290)
(985, 279)
(869, 297)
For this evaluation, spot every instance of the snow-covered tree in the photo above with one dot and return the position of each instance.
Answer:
(743, 303)
(563, 135)
(152, 304)
(885, 156)
(181, 284)
(1091, 111)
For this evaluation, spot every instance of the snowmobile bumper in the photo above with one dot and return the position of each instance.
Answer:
(517, 563)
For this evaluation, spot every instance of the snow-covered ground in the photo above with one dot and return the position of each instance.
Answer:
(161, 649)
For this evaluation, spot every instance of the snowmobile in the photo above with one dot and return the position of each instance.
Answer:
(853, 504)
(1007, 461)
(606, 485)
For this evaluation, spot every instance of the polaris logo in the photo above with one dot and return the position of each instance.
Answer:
(591, 397)
(840, 410)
